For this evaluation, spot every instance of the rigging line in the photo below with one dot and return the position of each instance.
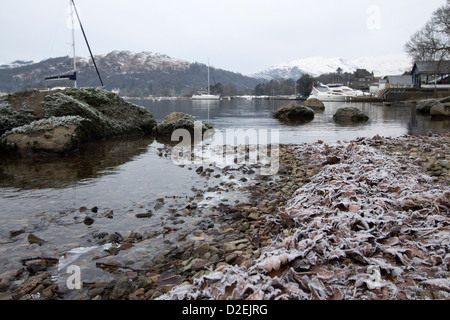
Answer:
(87, 43)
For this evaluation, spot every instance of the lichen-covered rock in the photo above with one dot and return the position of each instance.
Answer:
(11, 117)
(350, 114)
(50, 122)
(52, 136)
(110, 115)
(179, 120)
(294, 113)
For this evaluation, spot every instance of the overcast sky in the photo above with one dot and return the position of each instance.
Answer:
(244, 36)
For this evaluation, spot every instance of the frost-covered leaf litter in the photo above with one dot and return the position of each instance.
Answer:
(373, 224)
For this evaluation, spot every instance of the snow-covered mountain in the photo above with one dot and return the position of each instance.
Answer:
(382, 65)
(129, 62)
(136, 74)
(15, 64)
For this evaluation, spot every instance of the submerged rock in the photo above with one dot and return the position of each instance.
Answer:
(424, 106)
(294, 113)
(440, 110)
(350, 114)
(179, 120)
(314, 103)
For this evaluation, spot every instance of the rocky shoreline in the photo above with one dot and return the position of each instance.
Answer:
(264, 247)
(372, 224)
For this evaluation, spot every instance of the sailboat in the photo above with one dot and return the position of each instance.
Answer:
(206, 95)
(73, 76)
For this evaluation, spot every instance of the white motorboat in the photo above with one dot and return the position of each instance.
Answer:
(334, 93)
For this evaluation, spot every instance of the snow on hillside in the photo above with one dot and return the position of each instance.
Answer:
(315, 66)
(16, 64)
(137, 62)
(123, 61)
(128, 62)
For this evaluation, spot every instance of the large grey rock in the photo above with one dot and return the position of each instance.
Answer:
(52, 123)
(424, 106)
(314, 104)
(440, 110)
(350, 114)
(294, 113)
(47, 137)
(445, 100)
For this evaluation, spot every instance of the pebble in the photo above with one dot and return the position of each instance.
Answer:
(144, 215)
(109, 214)
(197, 238)
(88, 221)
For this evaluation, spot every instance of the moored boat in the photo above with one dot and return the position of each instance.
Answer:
(206, 95)
(334, 93)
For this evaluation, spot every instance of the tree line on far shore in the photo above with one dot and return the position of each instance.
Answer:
(360, 79)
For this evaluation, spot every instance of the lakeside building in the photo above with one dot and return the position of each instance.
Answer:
(431, 74)
(361, 79)
(428, 79)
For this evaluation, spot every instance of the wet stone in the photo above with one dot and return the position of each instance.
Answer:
(88, 221)
(144, 215)
(32, 239)
(15, 233)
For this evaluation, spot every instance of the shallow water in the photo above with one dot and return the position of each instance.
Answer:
(128, 176)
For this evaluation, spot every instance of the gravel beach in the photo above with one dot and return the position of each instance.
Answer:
(362, 219)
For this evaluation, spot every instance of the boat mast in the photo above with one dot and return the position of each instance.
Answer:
(87, 43)
(208, 79)
(73, 44)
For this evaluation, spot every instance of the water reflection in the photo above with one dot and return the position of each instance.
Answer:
(421, 125)
(92, 161)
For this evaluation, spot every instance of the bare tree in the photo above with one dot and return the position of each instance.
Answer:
(432, 42)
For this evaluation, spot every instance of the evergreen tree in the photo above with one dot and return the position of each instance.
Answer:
(305, 84)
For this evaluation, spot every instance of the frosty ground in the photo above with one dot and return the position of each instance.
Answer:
(372, 224)
(362, 219)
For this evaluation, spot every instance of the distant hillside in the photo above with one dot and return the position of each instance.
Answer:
(135, 74)
(315, 66)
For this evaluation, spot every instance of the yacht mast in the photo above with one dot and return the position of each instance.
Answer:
(208, 79)
(87, 43)
(73, 44)
(73, 77)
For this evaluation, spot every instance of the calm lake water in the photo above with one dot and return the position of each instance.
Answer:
(256, 114)
(130, 176)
